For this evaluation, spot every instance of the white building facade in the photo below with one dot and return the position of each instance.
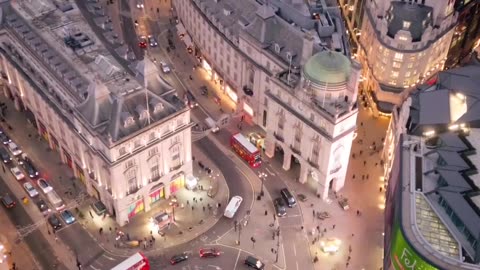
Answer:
(270, 66)
(403, 44)
(130, 145)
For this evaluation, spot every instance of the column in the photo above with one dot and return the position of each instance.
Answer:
(270, 145)
(287, 159)
(322, 190)
(167, 186)
(304, 170)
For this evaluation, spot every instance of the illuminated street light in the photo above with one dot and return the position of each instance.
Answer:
(331, 245)
(262, 177)
(173, 203)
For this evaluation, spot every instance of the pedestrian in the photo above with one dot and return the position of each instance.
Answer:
(266, 212)
(348, 259)
(194, 198)
(367, 176)
(361, 124)
(363, 177)
(219, 205)
(313, 211)
(301, 228)
(333, 227)
(376, 164)
(201, 199)
(150, 242)
(353, 176)
(318, 228)
(193, 207)
(203, 208)
(380, 189)
(325, 230)
(349, 248)
(153, 239)
(144, 244)
(364, 163)
(90, 212)
(188, 202)
(100, 231)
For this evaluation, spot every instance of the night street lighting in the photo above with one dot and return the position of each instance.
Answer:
(173, 204)
(262, 177)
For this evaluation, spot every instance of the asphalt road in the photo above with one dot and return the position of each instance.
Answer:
(36, 241)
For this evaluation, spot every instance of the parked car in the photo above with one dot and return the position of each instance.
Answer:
(280, 208)
(32, 192)
(44, 185)
(29, 168)
(14, 149)
(152, 41)
(178, 258)
(6, 158)
(7, 201)
(209, 252)
(17, 173)
(99, 208)
(165, 67)
(5, 139)
(255, 263)
(43, 207)
(54, 222)
(68, 217)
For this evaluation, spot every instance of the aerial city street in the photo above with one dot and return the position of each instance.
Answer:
(225, 135)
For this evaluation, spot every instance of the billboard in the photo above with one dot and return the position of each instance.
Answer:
(403, 256)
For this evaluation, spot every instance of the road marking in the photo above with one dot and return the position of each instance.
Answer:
(296, 263)
(214, 266)
(291, 216)
(108, 257)
(94, 268)
(251, 185)
(97, 262)
(295, 251)
(238, 256)
(270, 172)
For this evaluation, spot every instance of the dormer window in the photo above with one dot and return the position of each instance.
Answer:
(144, 115)
(406, 25)
(289, 56)
(277, 48)
(129, 121)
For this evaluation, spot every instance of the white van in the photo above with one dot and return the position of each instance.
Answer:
(232, 206)
(55, 200)
(212, 125)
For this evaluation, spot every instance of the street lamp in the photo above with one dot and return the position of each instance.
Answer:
(262, 177)
(173, 204)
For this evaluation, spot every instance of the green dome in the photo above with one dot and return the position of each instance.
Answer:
(327, 67)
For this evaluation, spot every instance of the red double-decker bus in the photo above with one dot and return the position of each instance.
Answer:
(136, 262)
(246, 150)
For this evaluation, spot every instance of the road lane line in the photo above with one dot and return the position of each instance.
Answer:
(295, 251)
(251, 185)
(108, 257)
(270, 172)
(94, 268)
(238, 256)
(296, 263)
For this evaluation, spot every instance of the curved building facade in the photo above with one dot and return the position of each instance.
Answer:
(287, 67)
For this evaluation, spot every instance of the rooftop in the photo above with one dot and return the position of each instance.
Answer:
(413, 18)
(87, 78)
(328, 67)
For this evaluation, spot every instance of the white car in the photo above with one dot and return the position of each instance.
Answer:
(17, 173)
(165, 67)
(32, 192)
(44, 185)
(14, 149)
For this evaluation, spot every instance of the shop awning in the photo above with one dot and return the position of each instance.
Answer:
(180, 29)
(188, 41)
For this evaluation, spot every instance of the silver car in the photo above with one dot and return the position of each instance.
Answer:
(32, 192)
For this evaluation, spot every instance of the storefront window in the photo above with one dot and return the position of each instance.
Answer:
(231, 94)
(248, 109)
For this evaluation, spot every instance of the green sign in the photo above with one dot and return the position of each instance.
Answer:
(405, 257)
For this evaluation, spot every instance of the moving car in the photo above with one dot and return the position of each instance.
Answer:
(54, 222)
(178, 258)
(280, 208)
(32, 192)
(5, 139)
(14, 149)
(165, 67)
(209, 252)
(142, 43)
(6, 158)
(68, 217)
(43, 207)
(254, 263)
(288, 197)
(44, 185)
(152, 41)
(17, 173)
(191, 101)
(29, 168)
(99, 208)
(7, 201)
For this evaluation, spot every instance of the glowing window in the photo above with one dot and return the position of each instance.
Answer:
(398, 56)
(406, 24)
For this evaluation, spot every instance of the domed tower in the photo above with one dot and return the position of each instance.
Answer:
(331, 81)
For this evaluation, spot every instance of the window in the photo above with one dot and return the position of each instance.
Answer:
(122, 151)
(131, 176)
(407, 74)
(396, 65)
(394, 74)
(398, 57)
(406, 25)
(129, 164)
(403, 38)
(137, 144)
(154, 168)
(152, 136)
(175, 155)
(153, 151)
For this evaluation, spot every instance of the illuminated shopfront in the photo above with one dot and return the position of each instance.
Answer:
(136, 208)
(248, 109)
(68, 158)
(177, 183)
(43, 130)
(207, 68)
(231, 94)
(80, 173)
(158, 192)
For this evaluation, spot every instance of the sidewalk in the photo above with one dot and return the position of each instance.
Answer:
(19, 254)
(191, 218)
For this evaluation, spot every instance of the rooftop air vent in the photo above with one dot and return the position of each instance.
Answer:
(227, 10)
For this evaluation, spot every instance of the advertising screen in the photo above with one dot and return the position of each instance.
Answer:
(403, 257)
